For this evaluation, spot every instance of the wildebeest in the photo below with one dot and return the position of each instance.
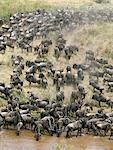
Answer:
(75, 126)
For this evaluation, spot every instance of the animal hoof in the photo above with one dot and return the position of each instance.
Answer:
(37, 139)
(17, 133)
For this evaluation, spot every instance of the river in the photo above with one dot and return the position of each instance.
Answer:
(26, 141)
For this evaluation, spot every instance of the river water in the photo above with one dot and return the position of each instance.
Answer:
(26, 141)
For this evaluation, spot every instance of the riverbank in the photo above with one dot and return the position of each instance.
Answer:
(9, 141)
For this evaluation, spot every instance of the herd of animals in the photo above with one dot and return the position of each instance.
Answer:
(54, 116)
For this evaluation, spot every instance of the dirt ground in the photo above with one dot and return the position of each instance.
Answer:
(93, 37)
(97, 37)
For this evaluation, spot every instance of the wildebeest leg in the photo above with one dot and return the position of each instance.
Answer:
(37, 133)
(22, 50)
(88, 130)
(25, 126)
(99, 103)
(57, 88)
(111, 134)
(29, 84)
(30, 49)
(68, 134)
(77, 133)
(49, 131)
(80, 131)
(19, 126)
(100, 132)
(103, 132)
(111, 108)
(30, 126)
(59, 132)
(6, 125)
(37, 136)
(3, 51)
(97, 78)
(94, 129)
(27, 51)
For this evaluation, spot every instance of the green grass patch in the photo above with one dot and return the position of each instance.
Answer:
(9, 7)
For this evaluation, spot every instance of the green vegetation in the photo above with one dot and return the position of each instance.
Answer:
(62, 146)
(8, 7)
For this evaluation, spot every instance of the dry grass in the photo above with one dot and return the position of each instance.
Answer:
(97, 37)
(68, 2)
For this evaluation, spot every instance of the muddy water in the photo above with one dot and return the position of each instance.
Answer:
(26, 141)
